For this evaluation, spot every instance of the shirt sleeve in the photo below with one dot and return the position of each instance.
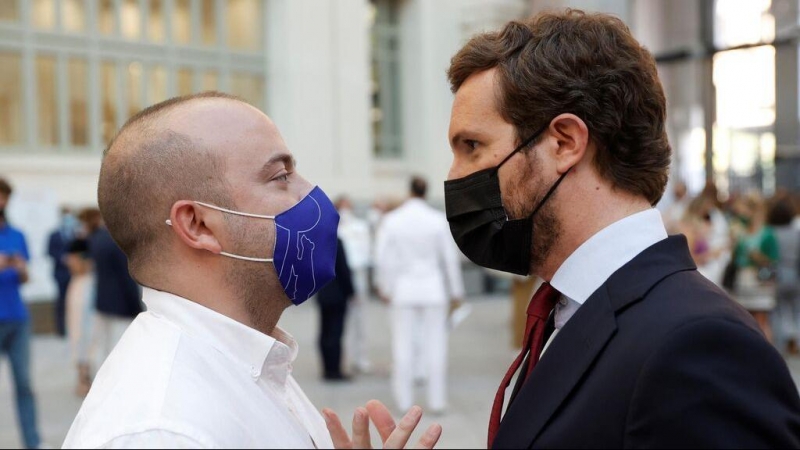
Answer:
(382, 256)
(23, 247)
(155, 438)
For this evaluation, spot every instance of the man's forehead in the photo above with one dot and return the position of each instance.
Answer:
(475, 101)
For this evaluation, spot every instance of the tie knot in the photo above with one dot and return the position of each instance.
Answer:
(544, 300)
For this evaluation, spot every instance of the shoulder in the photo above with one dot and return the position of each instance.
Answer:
(685, 297)
(160, 435)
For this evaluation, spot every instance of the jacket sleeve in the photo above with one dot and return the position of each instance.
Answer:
(714, 383)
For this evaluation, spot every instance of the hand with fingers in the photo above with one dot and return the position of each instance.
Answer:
(392, 435)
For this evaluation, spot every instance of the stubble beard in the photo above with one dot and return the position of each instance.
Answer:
(546, 227)
(255, 284)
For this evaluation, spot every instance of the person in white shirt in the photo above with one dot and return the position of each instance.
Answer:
(202, 195)
(357, 239)
(419, 275)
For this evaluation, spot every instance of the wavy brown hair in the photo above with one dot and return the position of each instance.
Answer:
(588, 65)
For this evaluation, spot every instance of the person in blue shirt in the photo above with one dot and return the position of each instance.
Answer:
(15, 329)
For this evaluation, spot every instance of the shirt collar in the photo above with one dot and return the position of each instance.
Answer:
(255, 351)
(590, 266)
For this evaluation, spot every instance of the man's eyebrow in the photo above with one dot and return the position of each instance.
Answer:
(285, 158)
(464, 135)
(458, 137)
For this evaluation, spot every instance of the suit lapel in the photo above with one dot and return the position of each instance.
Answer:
(583, 338)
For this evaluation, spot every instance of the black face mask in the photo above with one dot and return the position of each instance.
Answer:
(479, 222)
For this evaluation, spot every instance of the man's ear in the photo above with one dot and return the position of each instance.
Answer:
(572, 136)
(196, 226)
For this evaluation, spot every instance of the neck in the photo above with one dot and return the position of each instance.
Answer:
(217, 296)
(584, 219)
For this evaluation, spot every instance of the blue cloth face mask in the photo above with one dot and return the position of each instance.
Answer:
(305, 244)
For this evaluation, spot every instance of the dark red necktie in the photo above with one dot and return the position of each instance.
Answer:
(538, 312)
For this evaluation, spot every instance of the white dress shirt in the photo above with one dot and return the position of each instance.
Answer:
(416, 259)
(593, 263)
(184, 376)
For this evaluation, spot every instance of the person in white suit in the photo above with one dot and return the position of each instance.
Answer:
(419, 275)
(357, 239)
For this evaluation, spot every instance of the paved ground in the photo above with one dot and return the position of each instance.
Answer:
(479, 356)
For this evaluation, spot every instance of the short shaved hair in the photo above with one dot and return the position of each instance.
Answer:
(146, 169)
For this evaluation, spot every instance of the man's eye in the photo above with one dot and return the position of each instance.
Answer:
(471, 144)
(283, 178)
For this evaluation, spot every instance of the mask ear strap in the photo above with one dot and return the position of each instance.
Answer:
(246, 258)
(551, 192)
(521, 146)
(237, 213)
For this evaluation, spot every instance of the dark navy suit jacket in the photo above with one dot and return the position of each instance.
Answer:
(117, 293)
(657, 357)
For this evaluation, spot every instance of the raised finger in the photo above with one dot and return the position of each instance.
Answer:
(337, 431)
(431, 437)
(404, 429)
(382, 418)
(361, 437)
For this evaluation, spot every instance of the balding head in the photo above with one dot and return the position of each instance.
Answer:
(165, 153)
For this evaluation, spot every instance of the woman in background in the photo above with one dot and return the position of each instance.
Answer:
(80, 311)
(755, 256)
(781, 217)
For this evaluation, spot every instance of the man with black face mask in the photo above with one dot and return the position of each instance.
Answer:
(560, 154)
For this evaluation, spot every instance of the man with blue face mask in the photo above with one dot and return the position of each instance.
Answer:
(202, 195)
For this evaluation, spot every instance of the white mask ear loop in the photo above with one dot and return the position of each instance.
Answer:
(237, 213)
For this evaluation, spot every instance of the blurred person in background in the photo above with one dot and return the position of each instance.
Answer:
(719, 236)
(333, 302)
(357, 238)
(676, 211)
(117, 297)
(204, 198)
(787, 321)
(755, 256)
(419, 276)
(696, 226)
(80, 311)
(15, 327)
(57, 245)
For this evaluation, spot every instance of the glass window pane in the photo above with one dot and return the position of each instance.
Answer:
(156, 29)
(244, 24)
(131, 19)
(157, 85)
(182, 22)
(44, 14)
(107, 23)
(9, 10)
(74, 15)
(78, 79)
(108, 80)
(209, 20)
(249, 87)
(10, 98)
(134, 87)
(185, 82)
(210, 81)
(47, 101)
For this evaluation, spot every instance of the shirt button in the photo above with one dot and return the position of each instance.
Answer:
(562, 302)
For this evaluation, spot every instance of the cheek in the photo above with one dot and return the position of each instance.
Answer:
(520, 191)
